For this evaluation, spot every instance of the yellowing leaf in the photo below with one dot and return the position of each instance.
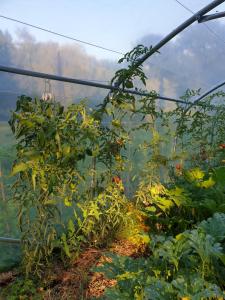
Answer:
(207, 183)
(116, 123)
(126, 275)
(50, 202)
(157, 189)
(145, 238)
(66, 149)
(19, 168)
(58, 140)
(67, 201)
(194, 174)
(165, 204)
(179, 236)
(34, 174)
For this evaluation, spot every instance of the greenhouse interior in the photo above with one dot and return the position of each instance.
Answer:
(112, 150)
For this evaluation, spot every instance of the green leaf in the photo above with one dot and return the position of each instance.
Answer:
(71, 227)
(65, 245)
(129, 84)
(215, 226)
(219, 176)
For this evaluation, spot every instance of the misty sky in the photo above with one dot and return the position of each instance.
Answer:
(113, 24)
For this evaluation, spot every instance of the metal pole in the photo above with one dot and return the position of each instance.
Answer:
(210, 91)
(81, 82)
(205, 94)
(171, 35)
(211, 17)
(177, 30)
(9, 240)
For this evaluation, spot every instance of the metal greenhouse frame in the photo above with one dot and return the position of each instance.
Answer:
(200, 17)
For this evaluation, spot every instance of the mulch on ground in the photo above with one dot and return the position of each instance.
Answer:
(78, 281)
(6, 278)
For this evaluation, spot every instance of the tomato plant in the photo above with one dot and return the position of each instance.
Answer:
(73, 171)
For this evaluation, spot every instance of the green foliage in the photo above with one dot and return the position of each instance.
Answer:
(103, 216)
(190, 263)
(21, 289)
(177, 207)
(200, 130)
(78, 160)
(214, 226)
(219, 176)
(185, 266)
(96, 221)
(51, 142)
(126, 76)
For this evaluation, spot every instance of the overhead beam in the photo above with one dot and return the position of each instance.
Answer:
(103, 86)
(211, 17)
(179, 29)
(81, 82)
(196, 102)
(215, 87)
(171, 35)
(210, 91)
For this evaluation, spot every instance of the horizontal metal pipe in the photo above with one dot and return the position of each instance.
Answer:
(211, 17)
(79, 81)
(9, 240)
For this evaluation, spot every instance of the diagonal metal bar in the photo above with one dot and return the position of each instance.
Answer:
(179, 29)
(170, 36)
(211, 17)
(208, 92)
(81, 82)
(196, 102)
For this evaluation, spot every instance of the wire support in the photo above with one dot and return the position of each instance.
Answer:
(61, 35)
